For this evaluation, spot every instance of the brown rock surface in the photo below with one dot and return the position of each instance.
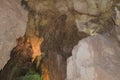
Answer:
(20, 62)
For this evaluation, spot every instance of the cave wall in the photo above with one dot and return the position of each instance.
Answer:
(52, 21)
(97, 56)
(93, 61)
(63, 23)
(13, 19)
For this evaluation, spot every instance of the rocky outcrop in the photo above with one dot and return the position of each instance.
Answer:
(49, 20)
(95, 58)
(20, 61)
(94, 16)
(13, 19)
(62, 24)
(54, 27)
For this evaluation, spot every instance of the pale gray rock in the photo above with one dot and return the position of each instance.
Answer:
(95, 58)
(92, 7)
(13, 19)
(117, 22)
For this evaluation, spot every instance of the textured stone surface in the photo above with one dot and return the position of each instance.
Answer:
(58, 22)
(117, 21)
(95, 58)
(62, 23)
(94, 16)
(59, 39)
(20, 62)
(51, 20)
(92, 7)
(13, 19)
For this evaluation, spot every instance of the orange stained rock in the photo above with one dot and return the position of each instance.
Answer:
(35, 43)
(27, 43)
(45, 74)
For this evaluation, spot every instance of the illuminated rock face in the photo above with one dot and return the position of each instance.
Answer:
(36, 47)
(13, 19)
(20, 61)
(95, 58)
(62, 23)
(32, 34)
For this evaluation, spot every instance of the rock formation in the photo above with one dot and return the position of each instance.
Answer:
(93, 61)
(54, 27)
(20, 61)
(13, 19)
